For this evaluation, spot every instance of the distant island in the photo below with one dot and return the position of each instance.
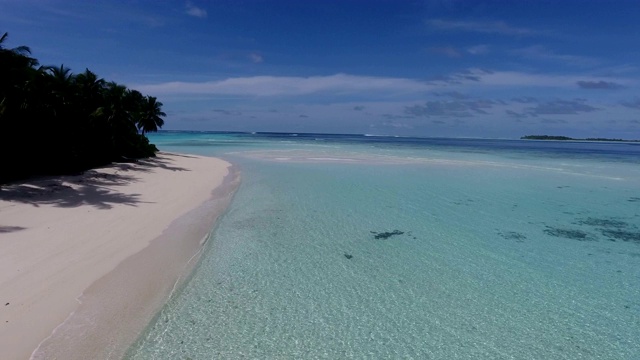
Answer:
(564, 138)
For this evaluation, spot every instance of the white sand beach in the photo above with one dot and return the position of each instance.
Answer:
(86, 261)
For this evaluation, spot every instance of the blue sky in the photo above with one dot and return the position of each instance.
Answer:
(498, 69)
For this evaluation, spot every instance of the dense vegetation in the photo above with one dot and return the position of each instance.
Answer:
(56, 122)
(552, 137)
(545, 137)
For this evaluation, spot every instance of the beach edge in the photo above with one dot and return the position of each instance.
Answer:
(86, 278)
(115, 310)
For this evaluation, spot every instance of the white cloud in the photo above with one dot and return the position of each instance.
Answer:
(479, 77)
(256, 58)
(478, 50)
(635, 104)
(448, 51)
(490, 27)
(195, 11)
(599, 85)
(472, 82)
(540, 52)
(341, 84)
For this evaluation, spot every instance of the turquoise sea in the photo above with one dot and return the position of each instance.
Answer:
(367, 247)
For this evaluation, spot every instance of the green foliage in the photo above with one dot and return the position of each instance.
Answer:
(545, 137)
(55, 122)
(553, 137)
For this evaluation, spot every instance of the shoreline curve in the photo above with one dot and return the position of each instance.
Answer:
(89, 260)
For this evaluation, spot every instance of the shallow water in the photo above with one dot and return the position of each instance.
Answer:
(366, 247)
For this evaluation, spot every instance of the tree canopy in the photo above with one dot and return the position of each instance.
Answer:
(55, 122)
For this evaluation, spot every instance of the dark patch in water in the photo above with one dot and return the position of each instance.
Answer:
(387, 234)
(410, 234)
(466, 202)
(634, 199)
(568, 233)
(606, 223)
(8, 229)
(348, 256)
(512, 235)
(626, 236)
(563, 186)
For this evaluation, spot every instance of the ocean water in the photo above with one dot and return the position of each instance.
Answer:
(345, 246)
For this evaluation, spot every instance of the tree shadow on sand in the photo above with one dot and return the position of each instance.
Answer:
(7, 229)
(88, 189)
(66, 196)
(147, 165)
(93, 187)
(161, 162)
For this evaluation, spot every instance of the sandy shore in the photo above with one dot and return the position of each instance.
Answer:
(86, 261)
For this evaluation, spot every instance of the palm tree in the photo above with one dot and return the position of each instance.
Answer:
(16, 120)
(114, 109)
(150, 116)
(15, 69)
(61, 74)
(89, 85)
(89, 92)
(17, 56)
(61, 81)
(52, 121)
(20, 49)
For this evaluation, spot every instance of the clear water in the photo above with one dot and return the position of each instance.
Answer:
(387, 248)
